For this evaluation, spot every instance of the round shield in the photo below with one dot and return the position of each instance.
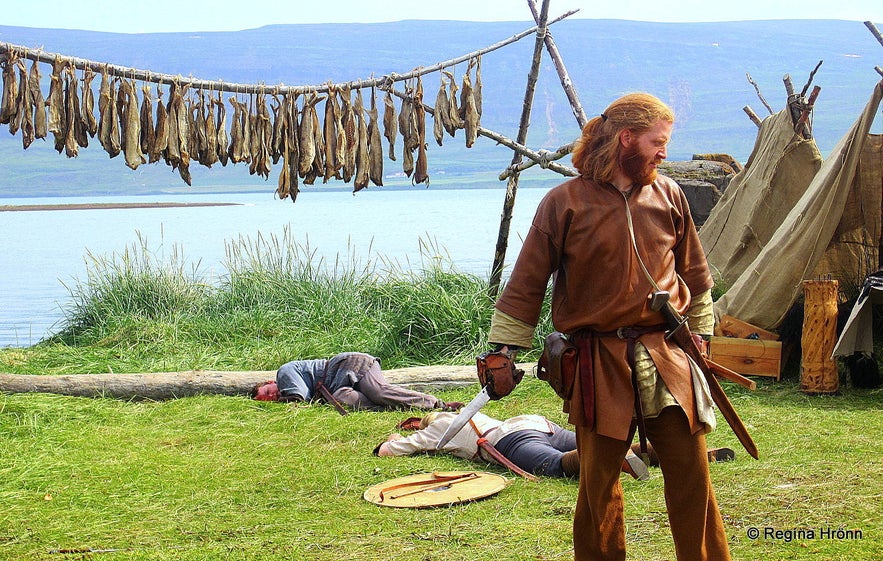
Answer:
(438, 488)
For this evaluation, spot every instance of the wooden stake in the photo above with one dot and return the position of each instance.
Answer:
(752, 115)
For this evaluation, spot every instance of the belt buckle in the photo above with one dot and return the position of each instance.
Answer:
(621, 332)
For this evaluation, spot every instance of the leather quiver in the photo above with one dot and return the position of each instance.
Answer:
(559, 363)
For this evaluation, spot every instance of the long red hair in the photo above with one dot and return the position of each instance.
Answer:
(596, 152)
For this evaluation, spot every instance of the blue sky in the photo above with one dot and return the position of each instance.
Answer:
(126, 16)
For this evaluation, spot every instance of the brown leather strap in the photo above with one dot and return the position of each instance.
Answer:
(328, 397)
(485, 445)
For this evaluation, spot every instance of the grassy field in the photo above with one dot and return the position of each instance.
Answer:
(217, 477)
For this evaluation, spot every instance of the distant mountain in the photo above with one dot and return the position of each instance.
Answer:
(698, 68)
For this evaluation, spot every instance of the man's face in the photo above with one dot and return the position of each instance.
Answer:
(268, 392)
(643, 152)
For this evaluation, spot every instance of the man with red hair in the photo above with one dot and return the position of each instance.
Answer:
(609, 239)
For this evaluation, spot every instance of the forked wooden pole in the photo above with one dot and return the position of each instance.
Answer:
(512, 183)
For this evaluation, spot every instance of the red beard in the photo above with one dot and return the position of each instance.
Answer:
(638, 169)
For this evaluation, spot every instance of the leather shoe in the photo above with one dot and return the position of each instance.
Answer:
(635, 466)
(721, 455)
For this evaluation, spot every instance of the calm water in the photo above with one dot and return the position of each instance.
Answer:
(45, 251)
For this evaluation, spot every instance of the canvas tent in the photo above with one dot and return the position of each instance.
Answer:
(766, 246)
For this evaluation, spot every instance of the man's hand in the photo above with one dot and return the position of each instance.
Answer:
(497, 372)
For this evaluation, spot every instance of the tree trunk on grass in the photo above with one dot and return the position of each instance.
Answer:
(168, 385)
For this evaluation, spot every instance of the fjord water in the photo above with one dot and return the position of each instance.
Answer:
(45, 251)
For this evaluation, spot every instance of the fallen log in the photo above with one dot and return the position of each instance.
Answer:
(160, 386)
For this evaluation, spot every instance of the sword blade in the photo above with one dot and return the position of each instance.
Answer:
(468, 411)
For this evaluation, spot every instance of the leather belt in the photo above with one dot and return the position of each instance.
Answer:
(631, 335)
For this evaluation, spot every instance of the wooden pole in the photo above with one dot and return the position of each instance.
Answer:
(566, 83)
(876, 32)
(818, 371)
(512, 183)
(218, 85)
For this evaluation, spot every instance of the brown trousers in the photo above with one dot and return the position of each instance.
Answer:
(696, 524)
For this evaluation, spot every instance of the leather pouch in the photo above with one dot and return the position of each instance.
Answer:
(559, 363)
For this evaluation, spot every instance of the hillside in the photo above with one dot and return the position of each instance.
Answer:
(699, 68)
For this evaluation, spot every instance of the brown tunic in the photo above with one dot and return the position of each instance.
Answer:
(580, 237)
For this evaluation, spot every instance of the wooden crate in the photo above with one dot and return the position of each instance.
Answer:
(732, 327)
(748, 356)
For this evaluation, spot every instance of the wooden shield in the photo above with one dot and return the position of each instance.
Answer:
(439, 488)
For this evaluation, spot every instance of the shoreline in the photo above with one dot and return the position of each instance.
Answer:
(104, 206)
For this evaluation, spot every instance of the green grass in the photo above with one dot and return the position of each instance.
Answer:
(216, 477)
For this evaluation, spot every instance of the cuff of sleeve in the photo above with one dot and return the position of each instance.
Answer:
(510, 331)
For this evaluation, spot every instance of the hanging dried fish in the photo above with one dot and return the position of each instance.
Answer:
(277, 139)
(360, 181)
(441, 119)
(236, 140)
(348, 120)
(148, 131)
(421, 172)
(8, 106)
(247, 121)
(454, 109)
(319, 141)
(87, 107)
(293, 151)
(40, 120)
(172, 153)
(375, 144)
(329, 134)
(262, 134)
(74, 131)
(468, 109)
(477, 86)
(161, 131)
(210, 150)
(21, 99)
(221, 128)
(76, 119)
(408, 132)
(56, 123)
(390, 126)
(132, 142)
(198, 136)
(340, 140)
(182, 122)
(306, 138)
(25, 116)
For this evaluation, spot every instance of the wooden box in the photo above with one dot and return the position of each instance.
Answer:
(747, 356)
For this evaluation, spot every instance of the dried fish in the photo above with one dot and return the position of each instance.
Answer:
(348, 120)
(477, 86)
(132, 143)
(25, 116)
(406, 128)
(375, 144)
(261, 137)
(40, 121)
(56, 123)
(8, 109)
(441, 119)
(161, 130)
(148, 131)
(306, 138)
(210, 150)
(221, 127)
(454, 109)
(235, 149)
(329, 132)
(74, 131)
(390, 126)
(87, 107)
(21, 99)
(360, 181)
(469, 110)
(277, 139)
(115, 132)
(319, 142)
(172, 153)
(421, 173)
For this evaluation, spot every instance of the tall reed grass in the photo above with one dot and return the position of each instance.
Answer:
(276, 301)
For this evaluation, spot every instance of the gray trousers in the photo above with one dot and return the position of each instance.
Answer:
(374, 393)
